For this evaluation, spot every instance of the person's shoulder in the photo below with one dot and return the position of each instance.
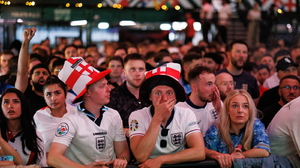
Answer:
(182, 104)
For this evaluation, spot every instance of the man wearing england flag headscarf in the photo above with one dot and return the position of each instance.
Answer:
(94, 131)
(159, 133)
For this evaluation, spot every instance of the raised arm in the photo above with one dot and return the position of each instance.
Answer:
(22, 72)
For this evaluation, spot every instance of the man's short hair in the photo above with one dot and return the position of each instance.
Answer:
(134, 56)
(58, 62)
(115, 58)
(121, 48)
(238, 41)
(214, 56)
(72, 45)
(36, 67)
(190, 57)
(196, 71)
(289, 77)
(7, 52)
(263, 66)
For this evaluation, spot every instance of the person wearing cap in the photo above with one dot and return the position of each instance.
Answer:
(285, 66)
(38, 75)
(213, 61)
(238, 54)
(159, 133)
(94, 131)
(274, 79)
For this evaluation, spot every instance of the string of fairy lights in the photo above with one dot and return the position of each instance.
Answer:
(99, 5)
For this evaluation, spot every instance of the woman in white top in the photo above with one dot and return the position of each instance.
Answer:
(48, 118)
(18, 128)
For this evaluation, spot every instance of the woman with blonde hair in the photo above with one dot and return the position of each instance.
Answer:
(239, 134)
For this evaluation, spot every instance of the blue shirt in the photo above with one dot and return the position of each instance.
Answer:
(259, 140)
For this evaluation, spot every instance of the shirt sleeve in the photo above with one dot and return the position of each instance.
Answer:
(120, 135)
(66, 130)
(135, 126)
(211, 138)
(190, 122)
(260, 137)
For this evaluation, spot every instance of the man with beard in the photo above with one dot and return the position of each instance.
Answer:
(225, 84)
(204, 99)
(238, 54)
(37, 77)
(125, 98)
(288, 90)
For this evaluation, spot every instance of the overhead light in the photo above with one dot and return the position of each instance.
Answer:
(78, 23)
(127, 23)
(197, 26)
(19, 20)
(103, 25)
(178, 26)
(165, 26)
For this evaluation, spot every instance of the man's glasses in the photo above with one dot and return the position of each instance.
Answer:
(225, 83)
(163, 142)
(288, 87)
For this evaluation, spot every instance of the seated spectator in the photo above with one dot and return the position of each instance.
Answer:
(284, 130)
(238, 133)
(213, 61)
(274, 79)
(94, 130)
(263, 72)
(285, 66)
(288, 90)
(268, 60)
(150, 63)
(57, 66)
(225, 84)
(48, 118)
(160, 133)
(189, 61)
(121, 51)
(117, 69)
(18, 128)
(5, 56)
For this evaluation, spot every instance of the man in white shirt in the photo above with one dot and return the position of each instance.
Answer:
(94, 130)
(204, 99)
(160, 133)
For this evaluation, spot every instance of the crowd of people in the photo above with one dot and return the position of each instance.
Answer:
(150, 104)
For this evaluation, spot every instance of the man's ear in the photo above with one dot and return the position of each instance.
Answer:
(30, 82)
(193, 86)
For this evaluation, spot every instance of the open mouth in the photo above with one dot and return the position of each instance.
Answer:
(11, 112)
(41, 81)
